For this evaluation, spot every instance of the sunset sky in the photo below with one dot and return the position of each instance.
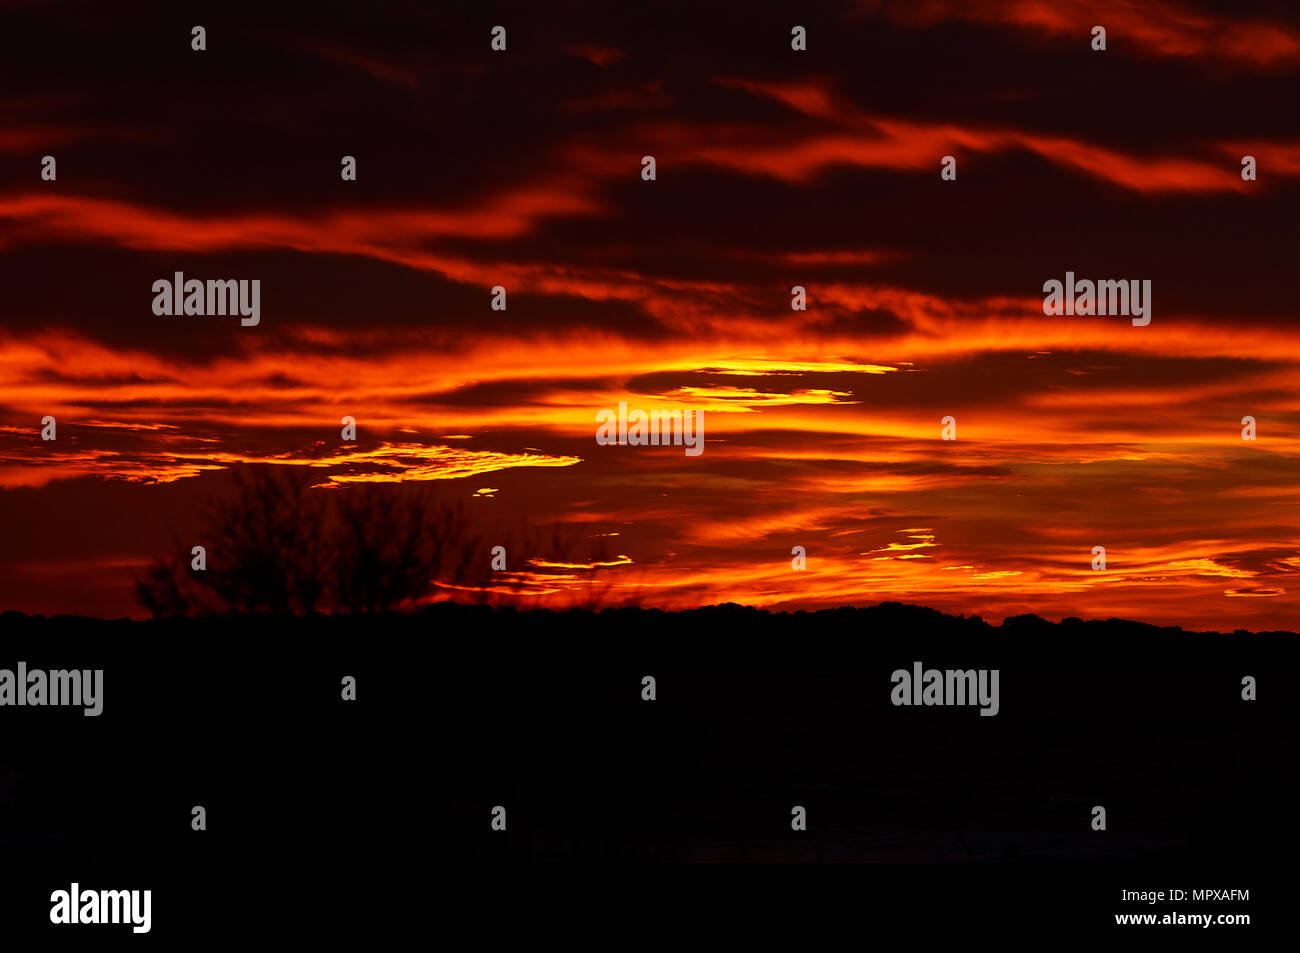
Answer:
(775, 168)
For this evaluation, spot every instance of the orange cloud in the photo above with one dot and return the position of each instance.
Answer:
(885, 142)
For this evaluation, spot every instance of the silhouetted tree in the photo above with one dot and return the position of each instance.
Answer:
(280, 546)
(390, 547)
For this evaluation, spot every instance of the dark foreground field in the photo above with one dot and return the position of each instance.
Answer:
(460, 710)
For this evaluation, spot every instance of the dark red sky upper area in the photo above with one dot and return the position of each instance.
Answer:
(775, 168)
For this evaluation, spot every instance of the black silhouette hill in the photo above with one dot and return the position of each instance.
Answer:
(832, 635)
(461, 708)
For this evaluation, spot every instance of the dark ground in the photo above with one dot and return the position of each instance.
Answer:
(461, 709)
